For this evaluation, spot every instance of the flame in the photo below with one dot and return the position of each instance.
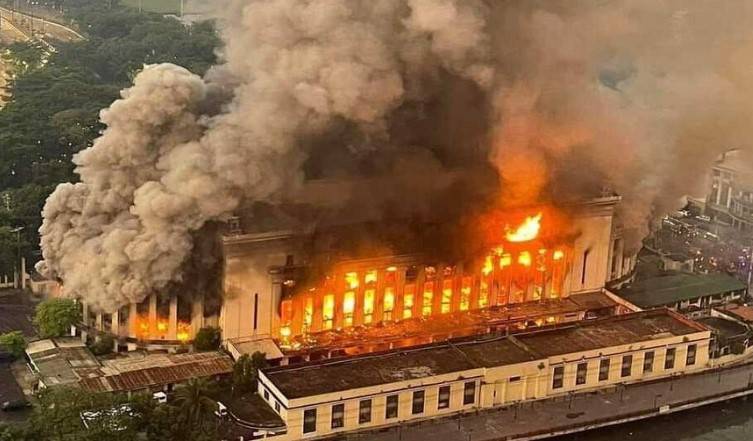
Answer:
(524, 258)
(183, 334)
(558, 254)
(162, 326)
(351, 279)
(488, 266)
(528, 230)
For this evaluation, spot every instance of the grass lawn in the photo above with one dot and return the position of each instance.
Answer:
(159, 6)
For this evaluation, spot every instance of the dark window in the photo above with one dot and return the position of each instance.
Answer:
(669, 359)
(256, 310)
(515, 379)
(418, 402)
(558, 377)
(604, 369)
(277, 406)
(648, 361)
(690, 360)
(309, 420)
(627, 366)
(580, 375)
(266, 394)
(444, 397)
(364, 412)
(338, 416)
(585, 266)
(391, 408)
(469, 393)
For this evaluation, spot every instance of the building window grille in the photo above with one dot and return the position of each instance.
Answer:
(604, 369)
(418, 402)
(328, 311)
(669, 359)
(392, 407)
(469, 393)
(444, 398)
(558, 377)
(309, 420)
(364, 412)
(648, 362)
(627, 366)
(389, 303)
(580, 375)
(408, 298)
(338, 416)
(690, 359)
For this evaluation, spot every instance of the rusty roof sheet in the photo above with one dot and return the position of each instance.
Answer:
(180, 368)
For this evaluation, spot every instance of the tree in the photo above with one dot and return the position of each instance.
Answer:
(195, 405)
(208, 339)
(55, 317)
(13, 342)
(104, 345)
(246, 372)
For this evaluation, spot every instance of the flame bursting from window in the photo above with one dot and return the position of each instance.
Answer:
(527, 231)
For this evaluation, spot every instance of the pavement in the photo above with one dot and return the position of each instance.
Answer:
(541, 418)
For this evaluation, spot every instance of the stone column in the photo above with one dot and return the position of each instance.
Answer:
(133, 320)
(152, 315)
(100, 322)
(172, 325)
(115, 323)
(197, 313)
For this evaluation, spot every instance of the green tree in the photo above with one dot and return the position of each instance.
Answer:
(104, 345)
(54, 317)
(195, 404)
(246, 372)
(208, 339)
(13, 342)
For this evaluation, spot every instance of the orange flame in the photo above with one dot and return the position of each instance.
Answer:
(528, 230)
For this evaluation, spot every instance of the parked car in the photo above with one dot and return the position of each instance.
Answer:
(10, 406)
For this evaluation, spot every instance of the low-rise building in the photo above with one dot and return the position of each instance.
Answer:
(366, 392)
(684, 292)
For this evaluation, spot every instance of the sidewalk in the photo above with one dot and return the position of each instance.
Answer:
(546, 418)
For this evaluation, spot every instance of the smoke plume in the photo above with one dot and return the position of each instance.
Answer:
(441, 105)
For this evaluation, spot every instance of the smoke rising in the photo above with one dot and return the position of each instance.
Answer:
(552, 99)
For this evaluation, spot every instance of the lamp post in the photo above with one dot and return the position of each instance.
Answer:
(17, 265)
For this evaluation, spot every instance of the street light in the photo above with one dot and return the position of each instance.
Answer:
(17, 265)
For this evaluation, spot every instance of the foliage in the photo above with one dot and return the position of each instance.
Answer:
(13, 342)
(57, 97)
(208, 339)
(104, 345)
(195, 405)
(246, 372)
(57, 416)
(9, 247)
(54, 317)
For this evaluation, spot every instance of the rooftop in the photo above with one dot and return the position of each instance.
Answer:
(723, 327)
(676, 287)
(136, 371)
(16, 311)
(740, 312)
(465, 354)
(62, 361)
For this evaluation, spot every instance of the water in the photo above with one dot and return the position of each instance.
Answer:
(731, 421)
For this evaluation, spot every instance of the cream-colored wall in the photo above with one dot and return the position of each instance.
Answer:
(594, 229)
(246, 274)
(615, 354)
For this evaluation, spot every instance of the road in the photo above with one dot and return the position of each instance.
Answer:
(538, 419)
(39, 27)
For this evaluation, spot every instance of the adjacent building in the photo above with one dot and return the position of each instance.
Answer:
(370, 391)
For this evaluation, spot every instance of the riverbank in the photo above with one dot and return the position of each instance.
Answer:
(577, 413)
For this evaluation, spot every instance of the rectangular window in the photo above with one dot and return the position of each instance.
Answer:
(580, 375)
(266, 394)
(446, 296)
(444, 398)
(690, 360)
(514, 379)
(389, 303)
(408, 298)
(648, 362)
(418, 402)
(349, 307)
(309, 420)
(428, 298)
(483, 294)
(364, 412)
(368, 306)
(669, 359)
(277, 406)
(465, 294)
(390, 411)
(558, 377)
(627, 366)
(604, 369)
(338, 416)
(328, 311)
(469, 393)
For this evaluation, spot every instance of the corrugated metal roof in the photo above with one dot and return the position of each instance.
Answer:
(183, 368)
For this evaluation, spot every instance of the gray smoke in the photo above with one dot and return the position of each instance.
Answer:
(560, 97)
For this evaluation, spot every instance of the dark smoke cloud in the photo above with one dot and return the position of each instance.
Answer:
(420, 106)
